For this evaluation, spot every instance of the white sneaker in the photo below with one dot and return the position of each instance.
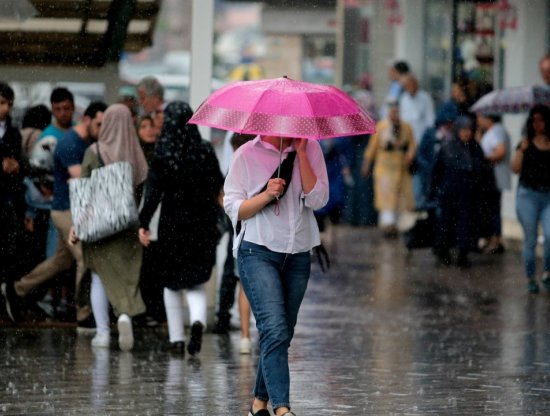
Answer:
(101, 340)
(245, 346)
(125, 333)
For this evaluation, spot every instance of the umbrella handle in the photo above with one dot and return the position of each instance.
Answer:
(280, 157)
(280, 160)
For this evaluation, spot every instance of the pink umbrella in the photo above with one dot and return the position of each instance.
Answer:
(284, 107)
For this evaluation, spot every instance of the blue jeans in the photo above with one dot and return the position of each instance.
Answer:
(275, 284)
(533, 207)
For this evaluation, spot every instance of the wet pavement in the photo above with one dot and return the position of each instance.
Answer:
(383, 333)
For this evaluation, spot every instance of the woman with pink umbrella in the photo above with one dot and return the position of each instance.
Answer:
(277, 233)
(274, 184)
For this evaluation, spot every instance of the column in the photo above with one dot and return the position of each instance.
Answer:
(409, 35)
(202, 38)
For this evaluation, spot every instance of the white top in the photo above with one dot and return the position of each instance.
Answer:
(227, 153)
(418, 111)
(492, 138)
(289, 227)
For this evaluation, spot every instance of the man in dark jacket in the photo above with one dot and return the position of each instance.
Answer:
(12, 202)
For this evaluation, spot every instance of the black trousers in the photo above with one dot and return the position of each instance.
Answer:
(152, 289)
(228, 284)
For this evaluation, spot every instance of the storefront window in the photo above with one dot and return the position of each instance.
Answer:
(476, 43)
(319, 59)
(439, 24)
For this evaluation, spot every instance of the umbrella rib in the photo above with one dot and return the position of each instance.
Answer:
(311, 112)
(253, 107)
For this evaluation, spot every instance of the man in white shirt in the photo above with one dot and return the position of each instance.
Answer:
(416, 108)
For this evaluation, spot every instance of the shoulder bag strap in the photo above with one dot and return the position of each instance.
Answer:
(101, 163)
(287, 167)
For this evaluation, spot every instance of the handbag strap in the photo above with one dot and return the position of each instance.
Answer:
(287, 167)
(101, 162)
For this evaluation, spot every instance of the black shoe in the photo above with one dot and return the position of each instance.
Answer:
(532, 286)
(391, 232)
(11, 301)
(443, 258)
(195, 343)
(177, 348)
(261, 412)
(546, 281)
(144, 321)
(220, 329)
(87, 325)
(463, 262)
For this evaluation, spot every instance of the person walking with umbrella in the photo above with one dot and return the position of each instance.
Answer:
(274, 184)
(277, 232)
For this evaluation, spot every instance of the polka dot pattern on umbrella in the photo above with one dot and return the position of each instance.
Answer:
(284, 107)
(286, 126)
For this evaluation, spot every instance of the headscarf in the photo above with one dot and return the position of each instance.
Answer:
(448, 113)
(467, 150)
(179, 144)
(118, 141)
(463, 122)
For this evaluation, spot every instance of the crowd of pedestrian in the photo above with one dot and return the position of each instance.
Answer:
(453, 166)
(135, 276)
(450, 163)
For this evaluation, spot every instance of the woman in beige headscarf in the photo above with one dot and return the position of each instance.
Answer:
(115, 261)
(391, 150)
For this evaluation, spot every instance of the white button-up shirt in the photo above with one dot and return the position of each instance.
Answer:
(418, 111)
(290, 226)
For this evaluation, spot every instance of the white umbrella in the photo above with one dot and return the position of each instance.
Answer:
(512, 100)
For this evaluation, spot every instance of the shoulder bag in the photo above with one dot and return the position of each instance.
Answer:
(103, 204)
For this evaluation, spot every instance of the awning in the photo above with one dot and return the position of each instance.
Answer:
(78, 32)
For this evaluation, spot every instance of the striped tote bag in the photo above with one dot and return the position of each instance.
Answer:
(103, 204)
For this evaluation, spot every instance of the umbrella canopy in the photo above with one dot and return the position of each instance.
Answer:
(512, 100)
(285, 108)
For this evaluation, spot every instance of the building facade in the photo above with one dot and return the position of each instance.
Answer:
(490, 44)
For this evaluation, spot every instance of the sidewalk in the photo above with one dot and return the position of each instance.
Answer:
(381, 333)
